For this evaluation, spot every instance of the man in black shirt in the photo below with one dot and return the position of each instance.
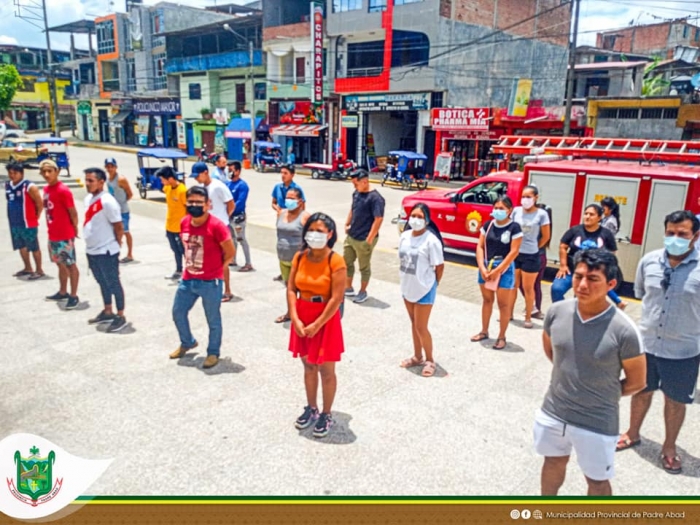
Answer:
(362, 229)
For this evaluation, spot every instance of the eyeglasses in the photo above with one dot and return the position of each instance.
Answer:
(666, 281)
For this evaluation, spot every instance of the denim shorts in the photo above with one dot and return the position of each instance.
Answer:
(507, 281)
(429, 298)
(125, 221)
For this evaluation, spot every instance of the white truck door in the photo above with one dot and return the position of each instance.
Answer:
(557, 192)
(625, 191)
(666, 197)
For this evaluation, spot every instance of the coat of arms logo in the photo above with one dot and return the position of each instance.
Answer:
(34, 478)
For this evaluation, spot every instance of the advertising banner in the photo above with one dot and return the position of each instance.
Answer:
(317, 52)
(181, 135)
(387, 102)
(300, 112)
(157, 106)
(520, 97)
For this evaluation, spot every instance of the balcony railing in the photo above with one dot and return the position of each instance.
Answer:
(110, 85)
(230, 60)
(364, 72)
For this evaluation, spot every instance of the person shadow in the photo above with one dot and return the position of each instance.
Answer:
(83, 305)
(340, 433)
(372, 302)
(225, 365)
(510, 347)
(650, 451)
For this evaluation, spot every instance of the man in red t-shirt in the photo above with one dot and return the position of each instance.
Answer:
(208, 250)
(62, 222)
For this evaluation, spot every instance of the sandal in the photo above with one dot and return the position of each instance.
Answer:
(36, 276)
(479, 337)
(283, 319)
(498, 345)
(672, 465)
(428, 369)
(528, 324)
(22, 273)
(411, 362)
(246, 268)
(625, 442)
(538, 315)
(127, 260)
(227, 298)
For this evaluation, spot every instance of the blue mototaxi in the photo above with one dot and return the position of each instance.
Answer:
(55, 149)
(267, 155)
(151, 160)
(406, 168)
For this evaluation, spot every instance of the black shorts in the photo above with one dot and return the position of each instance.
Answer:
(675, 377)
(528, 262)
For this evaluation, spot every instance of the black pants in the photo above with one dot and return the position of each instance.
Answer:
(105, 268)
(177, 248)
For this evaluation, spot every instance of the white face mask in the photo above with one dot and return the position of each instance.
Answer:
(416, 223)
(527, 202)
(316, 240)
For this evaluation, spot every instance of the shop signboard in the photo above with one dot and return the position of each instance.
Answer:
(84, 107)
(181, 134)
(157, 106)
(142, 124)
(317, 52)
(387, 102)
(300, 112)
(519, 97)
(349, 121)
(443, 166)
(461, 119)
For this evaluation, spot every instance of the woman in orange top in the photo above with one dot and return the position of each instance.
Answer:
(315, 293)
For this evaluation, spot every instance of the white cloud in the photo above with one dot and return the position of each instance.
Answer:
(8, 40)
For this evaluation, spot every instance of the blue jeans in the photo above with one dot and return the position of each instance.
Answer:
(563, 285)
(187, 294)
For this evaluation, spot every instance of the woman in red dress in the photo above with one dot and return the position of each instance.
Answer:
(315, 293)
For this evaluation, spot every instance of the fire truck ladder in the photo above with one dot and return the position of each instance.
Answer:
(672, 151)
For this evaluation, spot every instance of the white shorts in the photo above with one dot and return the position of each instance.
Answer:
(595, 452)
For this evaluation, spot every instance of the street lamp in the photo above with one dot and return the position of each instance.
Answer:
(252, 90)
(40, 55)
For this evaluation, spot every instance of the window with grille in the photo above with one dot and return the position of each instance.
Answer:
(157, 27)
(130, 74)
(160, 78)
(670, 113)
(105, 37)
(195, 91)
(608, 113)
(628, 113)
(402, 2)
(652, 113)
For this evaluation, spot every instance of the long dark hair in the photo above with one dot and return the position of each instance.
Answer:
(609, 202)
(325, 219)
(429, 224)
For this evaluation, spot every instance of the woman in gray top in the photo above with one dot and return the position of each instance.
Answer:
(537, 230)
(290, 223)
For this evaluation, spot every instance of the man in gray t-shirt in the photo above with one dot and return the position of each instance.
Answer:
(590, 343)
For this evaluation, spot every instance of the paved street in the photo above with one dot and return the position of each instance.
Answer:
(174, 428)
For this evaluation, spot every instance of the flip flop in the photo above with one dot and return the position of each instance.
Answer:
(625, 442)
(126, 260)
(428, 369)
(36, 276)
(22, 273)
(246, 268)
(227, 298)
(283, 319)
(411, 362)
(498, 346)
(672, 465)
(479, 337)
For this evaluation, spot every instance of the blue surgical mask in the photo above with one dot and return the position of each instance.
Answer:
(499, 215)
(291, 204)
(676, 246)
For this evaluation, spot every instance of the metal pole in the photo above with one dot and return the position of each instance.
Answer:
(252, 103)
(53, 102)
(575, 6)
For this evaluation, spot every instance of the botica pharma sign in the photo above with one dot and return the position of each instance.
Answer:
(157, 107)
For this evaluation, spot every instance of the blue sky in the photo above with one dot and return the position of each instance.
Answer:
(596, 15)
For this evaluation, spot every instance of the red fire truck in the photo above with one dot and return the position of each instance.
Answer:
(648, 179)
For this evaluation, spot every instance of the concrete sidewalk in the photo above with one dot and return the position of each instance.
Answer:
(176, 429)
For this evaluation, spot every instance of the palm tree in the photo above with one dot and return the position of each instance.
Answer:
(653, 85)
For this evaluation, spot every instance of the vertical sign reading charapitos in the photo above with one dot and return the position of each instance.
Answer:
(317, 52)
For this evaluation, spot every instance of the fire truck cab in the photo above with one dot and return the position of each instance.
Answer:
(648, 179)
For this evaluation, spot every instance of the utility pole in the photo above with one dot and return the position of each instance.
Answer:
(53, 102)
(575, 7)
(252, 104)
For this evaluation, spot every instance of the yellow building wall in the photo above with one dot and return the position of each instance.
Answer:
(41, 92)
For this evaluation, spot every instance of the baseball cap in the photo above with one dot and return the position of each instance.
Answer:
(359, 175)
(111, 160)
(197, 168)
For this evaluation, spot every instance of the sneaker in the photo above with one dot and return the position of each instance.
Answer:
(349, 292)
(360, 297)
(102, 317)
(118, 323)
(210, 361)
(323, 425)
(58, 296)
(174, 277)
(181, 351)
(308, 417)
(72, 303)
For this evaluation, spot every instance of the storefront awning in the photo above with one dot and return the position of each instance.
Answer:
(120, 117)
(239, 128)
(298, 130)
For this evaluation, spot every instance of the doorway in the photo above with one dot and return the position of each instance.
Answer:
(103, 118)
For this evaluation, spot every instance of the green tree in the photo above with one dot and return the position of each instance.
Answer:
(653, 84)
(10, 82)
